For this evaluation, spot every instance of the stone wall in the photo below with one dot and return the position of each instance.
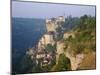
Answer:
(52, 23)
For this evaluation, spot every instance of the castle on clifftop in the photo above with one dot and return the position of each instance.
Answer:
(53, 23)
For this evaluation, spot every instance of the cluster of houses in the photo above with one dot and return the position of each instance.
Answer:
(40, 56)
(44, 58)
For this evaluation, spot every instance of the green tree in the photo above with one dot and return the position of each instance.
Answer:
(64, 64)
(50, 48)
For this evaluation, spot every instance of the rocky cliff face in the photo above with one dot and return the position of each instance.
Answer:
(75, 60)
(51, 26)
(46, 39)
(68, 34)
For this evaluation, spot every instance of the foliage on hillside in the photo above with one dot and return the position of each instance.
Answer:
(70, 23)
(85, 36)
(50, 48)
(63, 64)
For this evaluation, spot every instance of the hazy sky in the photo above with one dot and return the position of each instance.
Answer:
(45, 10)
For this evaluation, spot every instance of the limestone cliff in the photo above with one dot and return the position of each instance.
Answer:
(62, 43)
(51, 25)
(47, 38)
(68, 34)
(75, 60)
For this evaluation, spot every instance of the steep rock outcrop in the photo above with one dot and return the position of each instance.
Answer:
(60, 49)
(68, 34)
(75, 60)
(47, 38)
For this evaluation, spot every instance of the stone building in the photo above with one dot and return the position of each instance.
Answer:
(53, 23)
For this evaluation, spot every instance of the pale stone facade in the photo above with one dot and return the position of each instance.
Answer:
(51, 25)
(42, 55)
(60, 18)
